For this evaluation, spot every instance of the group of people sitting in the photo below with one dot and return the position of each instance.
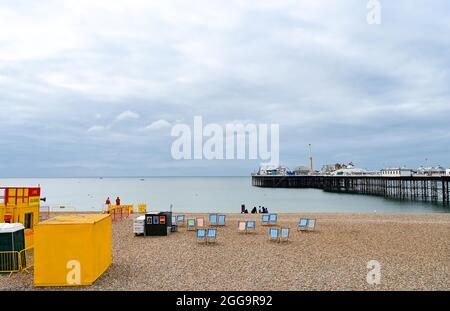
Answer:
(260, 210)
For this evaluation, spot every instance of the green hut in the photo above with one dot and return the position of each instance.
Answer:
(12, 241)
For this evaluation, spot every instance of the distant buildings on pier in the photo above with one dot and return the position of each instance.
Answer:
(350, 169)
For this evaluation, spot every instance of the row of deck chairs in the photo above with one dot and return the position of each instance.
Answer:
(207, 236)
(277, 234)
(215, 220)
(306, 224)
(269, 219)
(204, 235)
(246, 227)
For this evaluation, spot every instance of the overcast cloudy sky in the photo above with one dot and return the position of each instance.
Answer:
(93, 87)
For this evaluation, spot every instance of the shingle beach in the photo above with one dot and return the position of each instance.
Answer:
(412, 249)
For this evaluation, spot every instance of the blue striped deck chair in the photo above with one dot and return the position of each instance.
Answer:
(311, 224)
(201, 235)
(212, 235)
(221, 220)
(273, 219)
(242, 226)
(190, 224)
(301, 226)
(213, 219)
(284, 235)
(274, 234)
(265, 220)
(251, 226)
(180, 220)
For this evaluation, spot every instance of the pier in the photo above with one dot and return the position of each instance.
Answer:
(414, 188)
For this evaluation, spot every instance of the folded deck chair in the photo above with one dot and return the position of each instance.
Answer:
(201, 235)
(274, 234)
(212, 235)
(191, 224)
(311, 224)
(265, 220)
(242, 226)
(200, 223)
(251, 226)
(284, 236)
(213, 219)
(273, 219)
(301, 226)
(221, 220)
(180, 220)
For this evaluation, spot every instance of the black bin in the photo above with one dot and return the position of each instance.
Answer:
(157, 224)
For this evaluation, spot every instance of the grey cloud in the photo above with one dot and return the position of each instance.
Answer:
(377, 95)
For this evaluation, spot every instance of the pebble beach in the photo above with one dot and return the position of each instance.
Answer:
(413, 251)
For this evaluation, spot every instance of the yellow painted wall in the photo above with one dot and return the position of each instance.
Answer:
(18, 207)
(85, 238)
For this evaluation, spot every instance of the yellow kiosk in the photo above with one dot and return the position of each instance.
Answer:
(72, 250)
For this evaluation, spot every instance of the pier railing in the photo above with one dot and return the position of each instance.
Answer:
(416, 188)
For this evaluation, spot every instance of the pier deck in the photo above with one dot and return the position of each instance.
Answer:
(415, 188)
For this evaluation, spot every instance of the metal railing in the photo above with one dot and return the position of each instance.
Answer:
(16, 261)
(63, 208)
(10, 262)
(44, 212)
(26, 259)
(120, 212)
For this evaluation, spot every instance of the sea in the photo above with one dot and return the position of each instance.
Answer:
(206, 194)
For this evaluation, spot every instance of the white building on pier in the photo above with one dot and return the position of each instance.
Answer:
(396, 172)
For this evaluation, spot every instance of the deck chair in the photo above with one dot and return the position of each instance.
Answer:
(265, 220)
(174, 219)
(221, 220)
(311, 224)
(242, 226)
(211, 236)
(274, 234)
(273, 219)
(301, 226)
(180, 220)
(191, 224)
(251, 226)
(213, 219)
(201, 235)
(199, 223)
(284, 235)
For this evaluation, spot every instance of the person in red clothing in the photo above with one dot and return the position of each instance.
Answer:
(108, 202)
(118, 201)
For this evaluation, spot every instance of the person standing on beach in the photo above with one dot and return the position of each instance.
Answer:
(108, 202)
(242, 208)
(254, 210)
(118, 201)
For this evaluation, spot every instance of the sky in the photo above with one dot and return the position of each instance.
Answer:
(94, 87)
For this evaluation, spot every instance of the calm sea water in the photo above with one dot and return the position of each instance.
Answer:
(207, 194)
